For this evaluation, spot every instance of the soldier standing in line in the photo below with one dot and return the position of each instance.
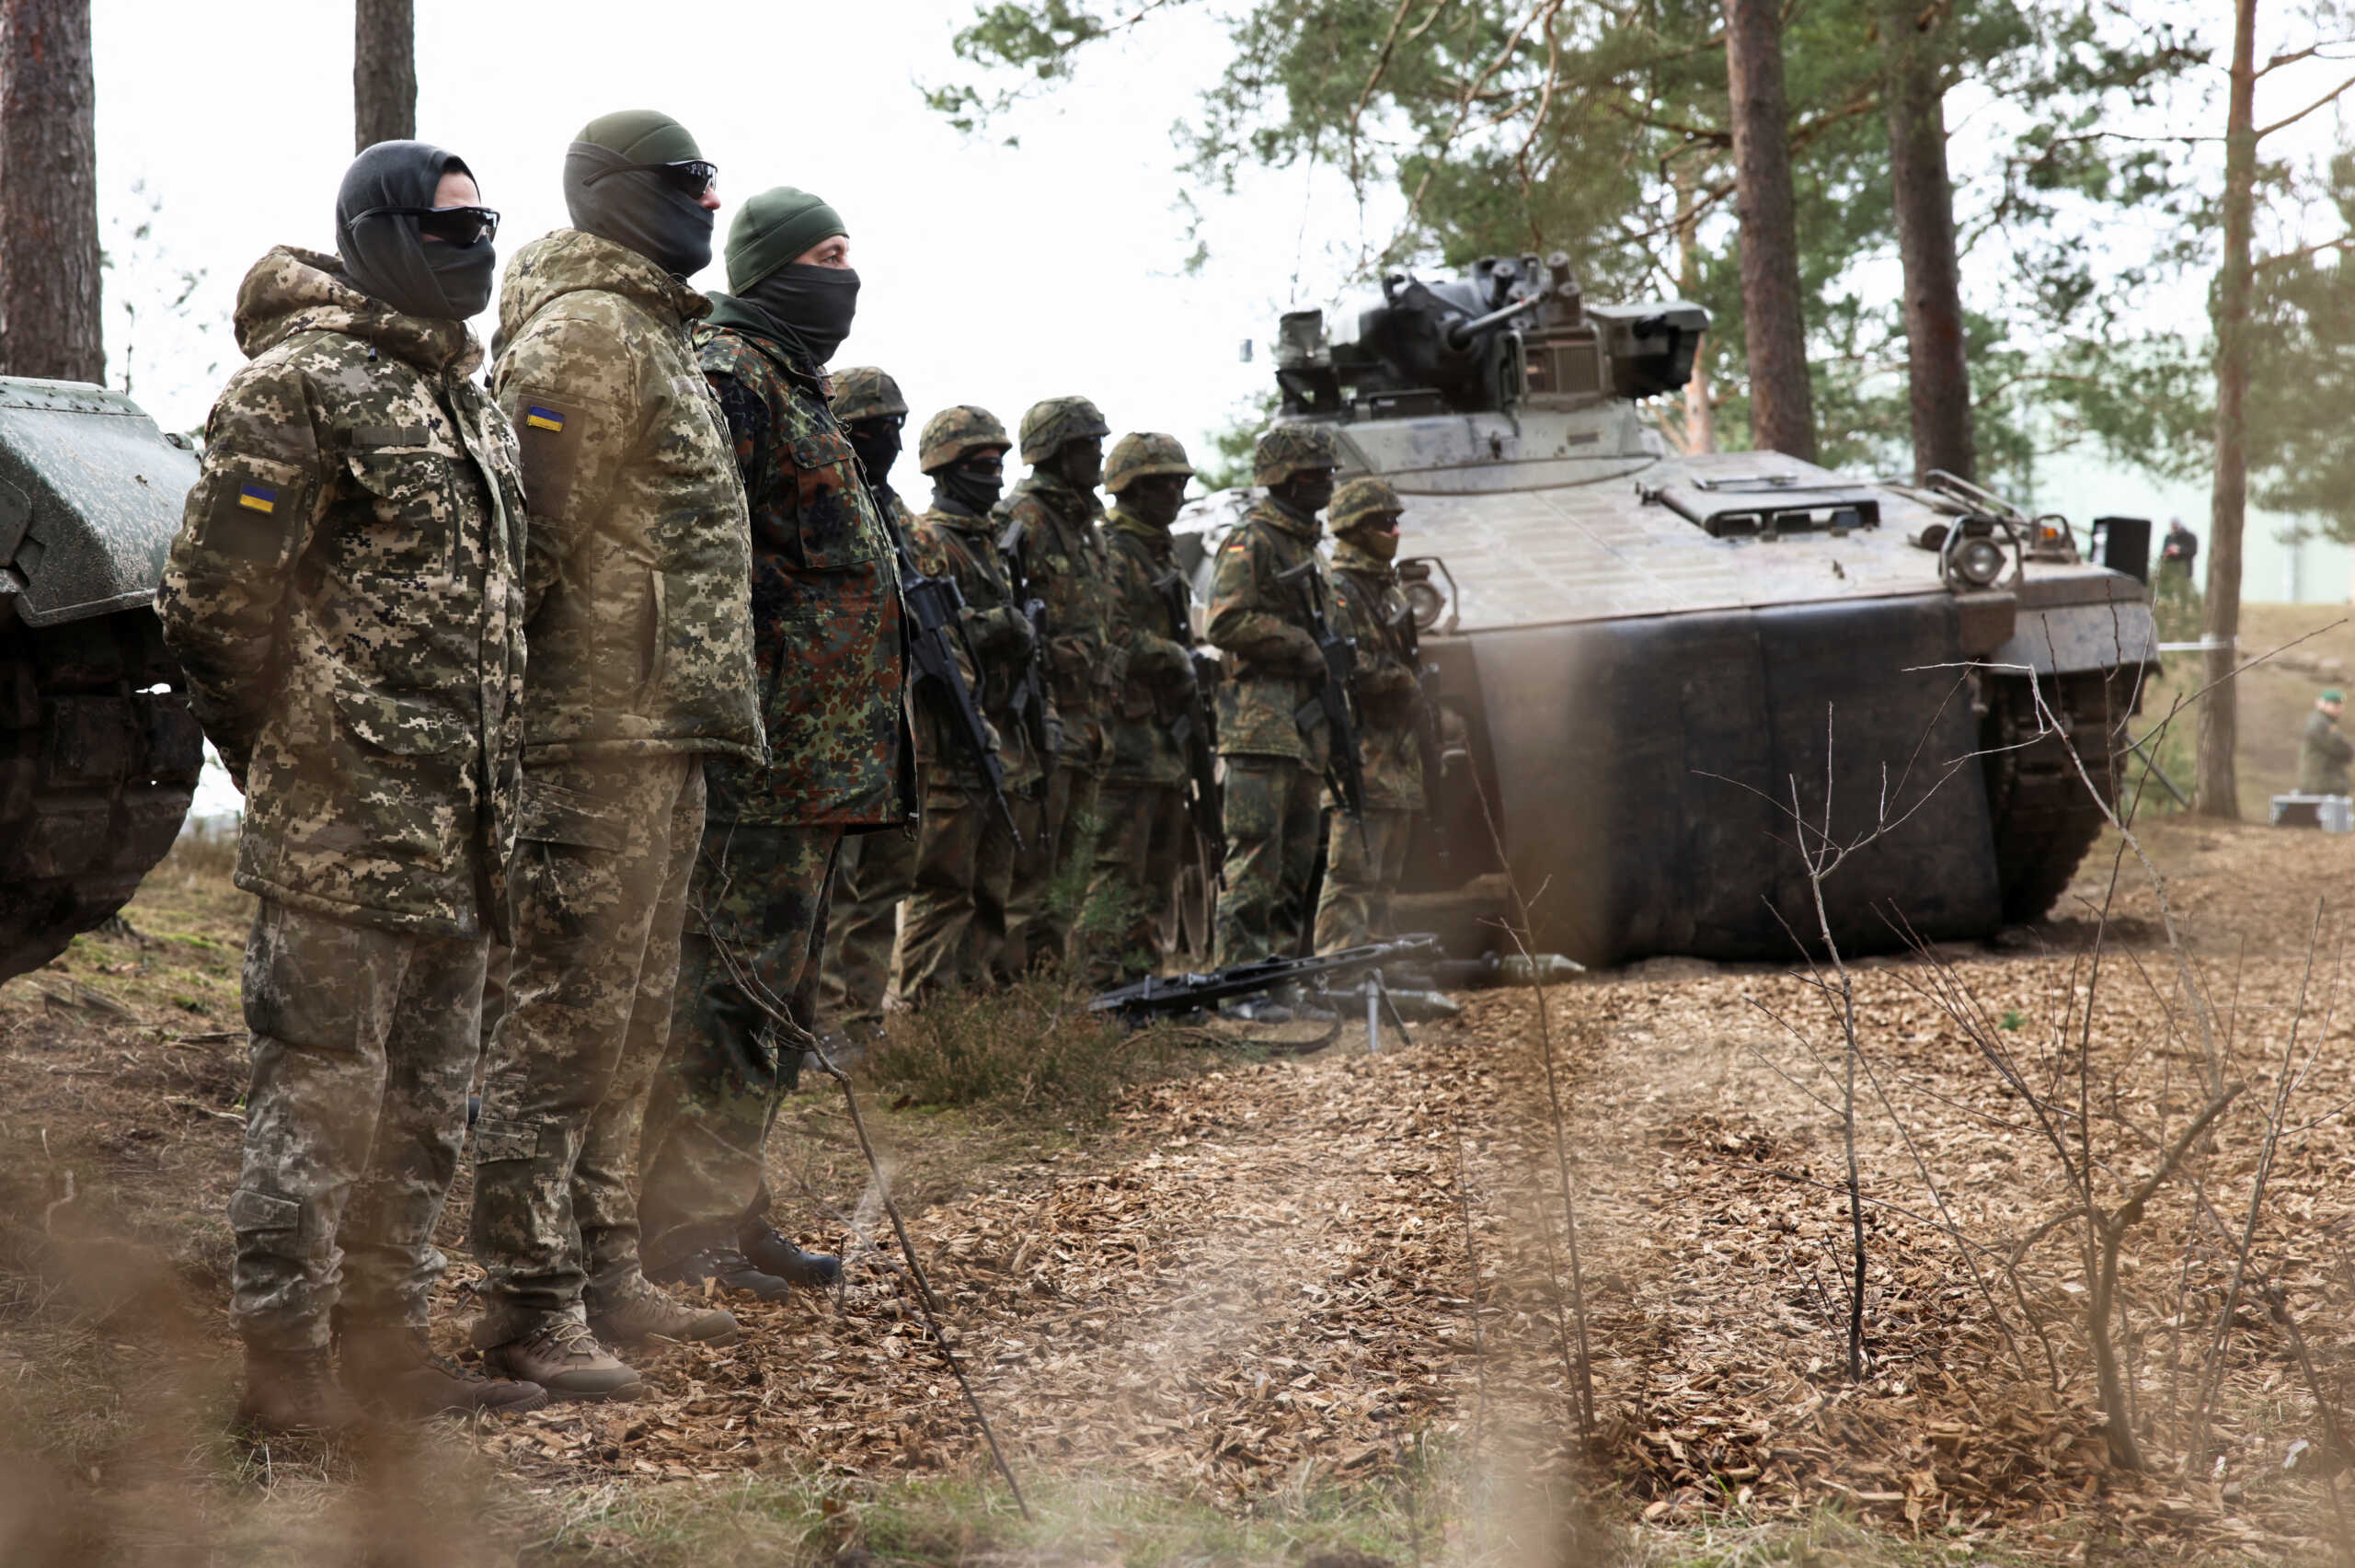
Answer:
(955, 929)
(637, 589)
(874, 873)
(1131, 893)
(1050, 528)
(343, 594)
(1361, 870)
(827, 644)
(1275, 758)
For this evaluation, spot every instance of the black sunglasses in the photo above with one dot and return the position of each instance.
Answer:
(457, 226)
(694, 177)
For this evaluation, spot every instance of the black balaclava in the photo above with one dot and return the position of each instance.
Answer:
(814, 303)
(811, 305)
(1079, 462)
(1155, 500)
(974, 481)
(1307, 492)
(386, 257)
(877, 442)
(638, 207)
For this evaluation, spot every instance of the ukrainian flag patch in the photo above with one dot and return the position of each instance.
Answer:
(538, 418)
(257, 498)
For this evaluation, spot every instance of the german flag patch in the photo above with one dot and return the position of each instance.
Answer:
(537, 418)
(262, 498)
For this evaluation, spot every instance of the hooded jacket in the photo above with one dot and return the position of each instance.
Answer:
(345, 596)
(636, 576)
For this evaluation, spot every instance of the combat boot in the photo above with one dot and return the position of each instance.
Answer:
(725, 1267)
(638, 1311)
(565, 1359)
(294, 1392)
(773, 1253)
(393, 1369)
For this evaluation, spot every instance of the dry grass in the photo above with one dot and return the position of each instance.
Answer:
(1031, 1050)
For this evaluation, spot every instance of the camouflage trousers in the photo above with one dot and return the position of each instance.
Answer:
(598, 889)
(1129, 919)
(362, 1050)
(1361, 873)
(1051, 872)
(1274, 809)
(954, 933)
(874, 874)
(756, 924)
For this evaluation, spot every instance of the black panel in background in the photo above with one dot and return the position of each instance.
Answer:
(2126, 545)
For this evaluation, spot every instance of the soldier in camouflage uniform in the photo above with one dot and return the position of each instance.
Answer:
(1361, 870)
(344, 596)
(874, 873)
(1275, 745)
(827, 644)
(1049, 523)
(1141, 845)
(637, 589)
(955, 929)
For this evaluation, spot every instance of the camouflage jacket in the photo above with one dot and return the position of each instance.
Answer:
(949, 543)
(636, 574)
(345, 594)
(1260, 619)
(1146, 590)
(1054, 529)
(1368, 606)
(2323, 755)
(826, 619)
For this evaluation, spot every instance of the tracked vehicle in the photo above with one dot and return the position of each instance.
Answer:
(98, 752)
(1670, 683)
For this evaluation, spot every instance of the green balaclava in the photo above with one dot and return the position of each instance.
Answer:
(813, 305)
(616, 186)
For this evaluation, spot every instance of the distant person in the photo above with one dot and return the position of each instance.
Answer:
(2323, 753)
(2179, 551)
(344, 594)
(637, 597)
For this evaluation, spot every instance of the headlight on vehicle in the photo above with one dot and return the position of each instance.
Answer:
(1978, 562)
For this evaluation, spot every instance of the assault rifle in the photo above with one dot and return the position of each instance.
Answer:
(1196, 729)
(936, 610)
(1158, 996)
(1345, 762)
(1029, 704)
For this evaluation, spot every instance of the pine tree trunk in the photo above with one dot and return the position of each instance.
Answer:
(1938, 375)
(1782, 406)
(50, 324)
(1700, 412)
(2217, 791)
(384, 71)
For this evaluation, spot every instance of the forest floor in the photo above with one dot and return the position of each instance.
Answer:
(1319, 1309)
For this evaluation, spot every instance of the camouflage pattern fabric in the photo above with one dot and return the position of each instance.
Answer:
(1362, 872)
(874, 874)
(1131, 914)
(1287, 450)
(1140, 454)
(757, 908)
(950, 542)
(952, 433)
(600, 892)
(1259, 618)
(954, 931)
(638, 566)
(866, 392)
(1159, 666)
(1273, 823)
(1053, 867)
(1053, 527)
(1368, 606)
(362, 1050)
(345, 596)
(825, 598)
(2323, 757)
(1051, 421)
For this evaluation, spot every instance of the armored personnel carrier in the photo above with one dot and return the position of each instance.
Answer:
(1667, 682)
(98, 752)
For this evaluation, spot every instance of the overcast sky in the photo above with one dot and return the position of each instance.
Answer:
(989, 274)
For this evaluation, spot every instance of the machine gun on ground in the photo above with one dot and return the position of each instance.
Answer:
(1159, 996)
(1345, 759)
(1195, 729)
(937, 610)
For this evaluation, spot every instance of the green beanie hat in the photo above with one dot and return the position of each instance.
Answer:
(642, 136)
(2334, 696)
(771, 229)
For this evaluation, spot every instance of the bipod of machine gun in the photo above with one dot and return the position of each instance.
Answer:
(1176, 996)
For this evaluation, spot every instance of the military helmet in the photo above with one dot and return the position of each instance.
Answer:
(865, 392)
(1288, 449)
(1362, 500)
(1058, 420)
(952, 433)
(1142, 453)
